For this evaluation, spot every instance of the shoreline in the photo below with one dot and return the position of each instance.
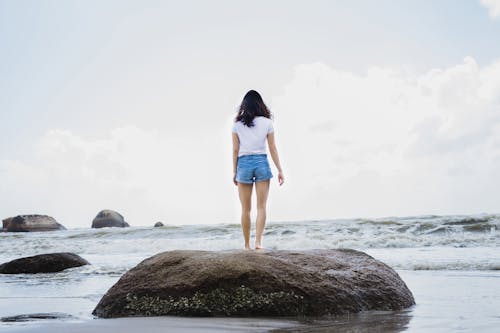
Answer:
(383, 321)
(428, 254)
(154, 325)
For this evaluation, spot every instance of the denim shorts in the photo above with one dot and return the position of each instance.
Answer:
(253, 168)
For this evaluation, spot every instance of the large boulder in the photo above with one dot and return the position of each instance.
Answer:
(256, 283)
(24, 223)
(109, 218)
(159, 224)
(43, 263)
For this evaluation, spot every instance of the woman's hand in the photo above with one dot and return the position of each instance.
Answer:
(234, 179)
(281, 178)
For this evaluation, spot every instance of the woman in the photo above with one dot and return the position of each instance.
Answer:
(252, 126)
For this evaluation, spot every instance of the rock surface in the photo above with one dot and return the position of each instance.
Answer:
(24, 223)
(5, 223)
(43, 263)
(256, 283)
(158, 224)
(109, 218)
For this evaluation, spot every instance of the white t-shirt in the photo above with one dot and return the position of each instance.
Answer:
(253, 139)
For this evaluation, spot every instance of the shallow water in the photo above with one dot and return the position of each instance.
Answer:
(451, 264)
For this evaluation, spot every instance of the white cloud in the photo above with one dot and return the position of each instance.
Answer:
(389, 142)
(493, 7)
(143, 174)
(392, 141)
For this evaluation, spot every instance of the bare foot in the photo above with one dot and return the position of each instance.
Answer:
(259, 246)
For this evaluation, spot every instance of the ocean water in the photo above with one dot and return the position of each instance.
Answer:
(451, 264)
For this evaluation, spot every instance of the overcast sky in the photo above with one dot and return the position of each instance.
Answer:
(381, 108)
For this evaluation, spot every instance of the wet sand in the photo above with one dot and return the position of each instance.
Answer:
(373, 321)
(154, 325)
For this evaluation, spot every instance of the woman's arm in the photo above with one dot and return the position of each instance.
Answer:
(236, 150)
(274, 155)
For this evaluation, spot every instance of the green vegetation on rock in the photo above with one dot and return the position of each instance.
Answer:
(225, 302)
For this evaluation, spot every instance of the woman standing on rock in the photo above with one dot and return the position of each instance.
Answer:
(252, 126)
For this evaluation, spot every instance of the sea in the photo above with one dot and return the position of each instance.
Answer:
(450, 263)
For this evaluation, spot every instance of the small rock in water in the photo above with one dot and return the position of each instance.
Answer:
(5, 223)
(43, 263)
(109, 218)
(256, 283)
(158, 224)
(36, 316)
(25, 223)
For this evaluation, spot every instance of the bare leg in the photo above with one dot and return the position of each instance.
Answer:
(245, 191)
(262, 190)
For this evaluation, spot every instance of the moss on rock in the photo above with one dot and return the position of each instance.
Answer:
(225, 302)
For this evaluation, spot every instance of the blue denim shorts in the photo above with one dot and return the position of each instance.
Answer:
(253, 168)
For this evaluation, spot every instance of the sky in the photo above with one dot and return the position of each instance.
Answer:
(380, 108)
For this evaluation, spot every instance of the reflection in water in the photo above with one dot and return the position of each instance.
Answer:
(363, 322)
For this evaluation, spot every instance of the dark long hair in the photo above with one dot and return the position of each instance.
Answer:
(252, 106)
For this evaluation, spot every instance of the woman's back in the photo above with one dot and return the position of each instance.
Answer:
(250, 164)
(253, 139)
